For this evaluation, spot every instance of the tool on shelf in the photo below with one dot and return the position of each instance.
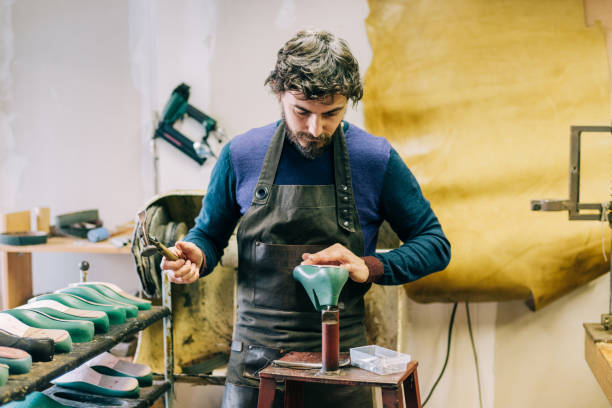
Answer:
(77, 223)
(175, 110)
(103, 233)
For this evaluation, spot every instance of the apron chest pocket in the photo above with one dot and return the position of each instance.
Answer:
(274, 284)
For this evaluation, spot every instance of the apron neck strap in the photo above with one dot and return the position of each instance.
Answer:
(345, 204)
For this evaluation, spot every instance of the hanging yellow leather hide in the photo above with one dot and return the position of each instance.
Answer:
(478, 98)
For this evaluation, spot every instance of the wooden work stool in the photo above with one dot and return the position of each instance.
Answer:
(391, 384)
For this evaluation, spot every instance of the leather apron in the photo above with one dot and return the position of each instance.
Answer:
(275, 314)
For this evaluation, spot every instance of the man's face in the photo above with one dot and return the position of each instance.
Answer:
(311, 123)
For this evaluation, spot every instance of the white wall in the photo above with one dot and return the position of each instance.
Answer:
(80, 82)
(74, 127)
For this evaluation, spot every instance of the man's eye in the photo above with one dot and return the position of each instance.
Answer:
(301, 113)
(330, 114)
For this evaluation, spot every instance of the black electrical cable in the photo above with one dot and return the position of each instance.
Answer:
(469, 322)
(450, 332)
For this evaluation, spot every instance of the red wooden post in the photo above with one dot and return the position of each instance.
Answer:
(411, 391)
(266, 392)
(294, 394)
(392, 397)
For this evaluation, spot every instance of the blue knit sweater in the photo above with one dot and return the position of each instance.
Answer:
(383, 186)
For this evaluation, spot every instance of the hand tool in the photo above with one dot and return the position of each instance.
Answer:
(151, 245)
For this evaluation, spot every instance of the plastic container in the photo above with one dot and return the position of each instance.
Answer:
(379, 360)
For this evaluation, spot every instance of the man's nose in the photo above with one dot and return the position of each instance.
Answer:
(315, 125)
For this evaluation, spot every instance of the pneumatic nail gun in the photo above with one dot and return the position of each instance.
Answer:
(176, 109)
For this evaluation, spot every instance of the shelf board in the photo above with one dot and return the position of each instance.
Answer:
(69, 244)
(200, 379)
(148, 395)
(41, 373)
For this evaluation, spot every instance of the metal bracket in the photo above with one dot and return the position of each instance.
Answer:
(573, 204)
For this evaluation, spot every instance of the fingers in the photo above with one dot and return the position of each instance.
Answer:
(338, 254)
(190, 251)
(167, 264)
(189, 273)
(183, 270)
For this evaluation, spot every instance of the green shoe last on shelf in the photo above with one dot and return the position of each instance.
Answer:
(18, 361)
(86, 379)
(116, 314)
(115, 292)
(94, 296)
(35, 400)
(108, 364)
(80, 331)
(60, 311)
(62, 343)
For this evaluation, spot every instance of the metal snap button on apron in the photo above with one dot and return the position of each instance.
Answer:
(261, 193)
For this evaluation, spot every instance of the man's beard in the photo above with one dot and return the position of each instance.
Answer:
(314, 147)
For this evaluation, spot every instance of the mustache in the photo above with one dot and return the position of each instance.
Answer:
(311, 138)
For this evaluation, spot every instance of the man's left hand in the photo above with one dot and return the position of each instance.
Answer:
(339, 255)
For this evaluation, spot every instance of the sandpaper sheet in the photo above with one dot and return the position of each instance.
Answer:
(478, 98)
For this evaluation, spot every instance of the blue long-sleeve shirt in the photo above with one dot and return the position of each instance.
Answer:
(384, 187)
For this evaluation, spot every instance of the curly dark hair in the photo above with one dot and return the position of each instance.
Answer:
(317, 64)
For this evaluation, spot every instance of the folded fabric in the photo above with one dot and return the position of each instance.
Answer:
(35, 400)
(94, 296)
(18, 361)
(40, 349)
(80, 331)
(87, 379)
(61, 338)
(115, 292)
(116, 314)
(108, 364)
(4, 373)
(60, 311)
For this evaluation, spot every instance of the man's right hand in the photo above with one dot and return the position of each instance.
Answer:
(187, 268)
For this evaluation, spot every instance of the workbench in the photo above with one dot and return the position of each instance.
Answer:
(16, 264)
(598, 354)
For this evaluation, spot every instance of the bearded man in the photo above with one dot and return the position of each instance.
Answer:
(311, 189)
